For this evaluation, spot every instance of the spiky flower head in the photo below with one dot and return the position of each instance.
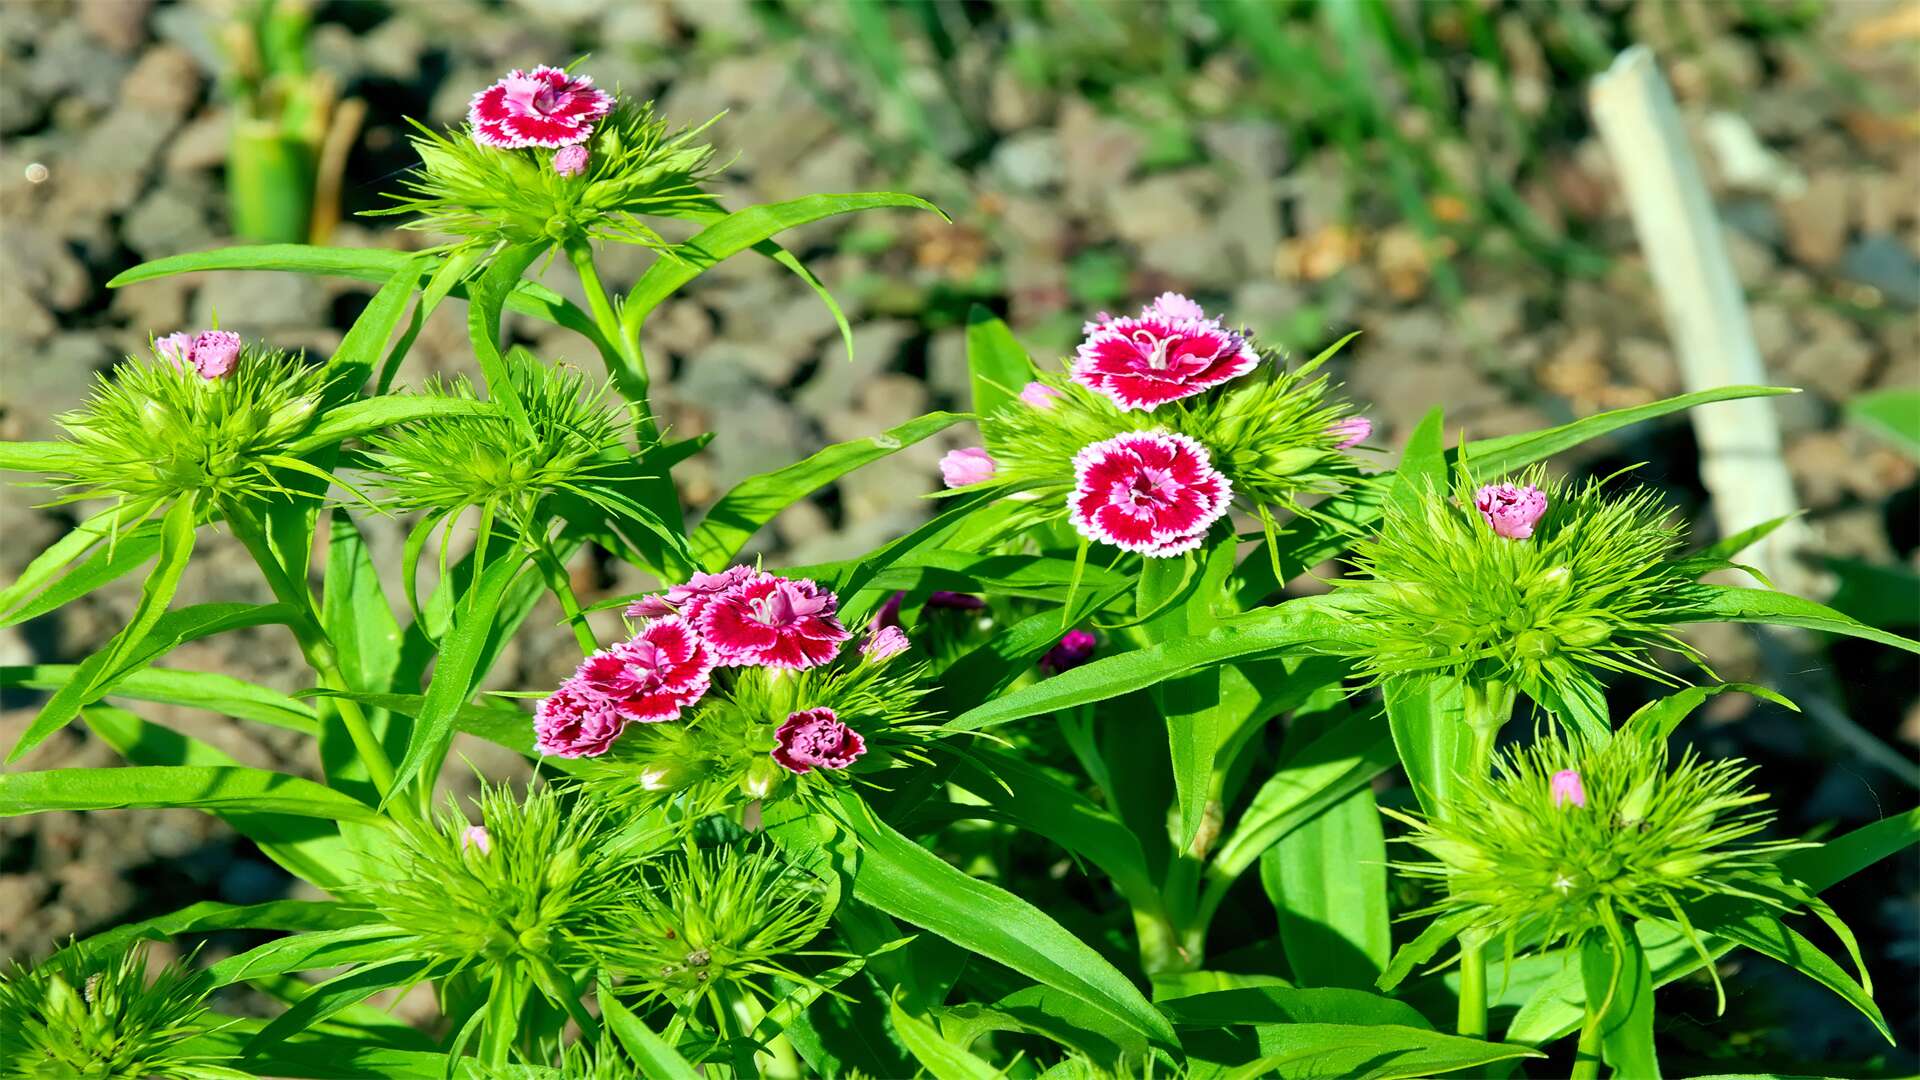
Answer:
(1529, 855)
(531, 893)
(89, 1016)
(1275, 435)
(713, 924)
(572, 445)
(600, 184)
(1444, 591)
(157, 429)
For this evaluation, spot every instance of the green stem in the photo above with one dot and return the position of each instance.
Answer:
(628, 365)
(1486, 710)
(1473, 990)
(314, 645)
(562, 588)
(1586, 1059)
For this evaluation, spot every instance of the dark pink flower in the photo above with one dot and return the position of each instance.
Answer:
(1511, 510)
(885, 644)
(476, 836)
(690, 599)
(1072, 650)
(1567, 788)
(773, 622)
(968, 465)
(176, 347)
(957, 600)
(650, 678)
(214, 352)
(888, 613)
(1171, 351)
(816, 739)
(1351, 432)
(1156, 493)
(543, 107)
(1039, 395)
(570, 160)
(577, 722)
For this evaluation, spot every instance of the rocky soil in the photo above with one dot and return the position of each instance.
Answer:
(1061, 204)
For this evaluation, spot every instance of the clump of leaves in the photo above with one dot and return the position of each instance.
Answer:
(101, 1018)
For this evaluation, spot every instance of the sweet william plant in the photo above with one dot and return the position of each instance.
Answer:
(983, 801)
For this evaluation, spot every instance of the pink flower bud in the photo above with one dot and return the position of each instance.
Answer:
(1511, 511)
(476, 837)
(570, 160)
(1351, 432)
(1039, 395)
(214, 352)
(176, 347)
(885, 644)
(1566, 789)
(970, 465)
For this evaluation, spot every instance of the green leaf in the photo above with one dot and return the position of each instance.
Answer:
(999, 367)
(108, 562)
(223, 694)
(353, 361)
(1289, 1005)
(1620, 989)
(1428, 717)
(1328, 883)
(656, 1058)
(753, 502)
(1761, 929)
(945, 1060)
(1053, 1014)
(489, 292)
(38, 456)
(208, 916)
(336, 994)
(1026, 795)
(737, 232)
(1321, 1051)
(1661, 715)
(1423, 465)
(1298, 625)
(202, 787)
(1876, 594)
(308, 951)
(1490, 458)
(1893, 415)
(1836, 860)
(911, 883)
(1726, 603)
(1422, 949)
(456, 670)
(176, 545)
(374, 414)
(367, 641)
(1720, 555)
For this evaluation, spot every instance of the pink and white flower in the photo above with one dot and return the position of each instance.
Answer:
(773, 622)
(690, 599)
(816, 739)
(1512, 510)
(1171, 351)
(967, 465)
(1350, 432)
(884, 644)
(664, 668)
(214, 352)
(1155, 492)
(543, 107)
(1039, 395)
(577, 722)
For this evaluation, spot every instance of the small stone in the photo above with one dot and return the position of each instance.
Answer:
(1013, 103)
(1816, 222)
(1649, 364)
(1885, 265)
(202, 144)
(255, 302)
(1029, 162)
(120, 25)
(166, 82)
(173, 218)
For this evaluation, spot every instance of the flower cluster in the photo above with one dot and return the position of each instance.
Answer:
(1529, 584)
(755, 669)
(548, 156)
(205, 416)
(1159, 423)
(1566, 838)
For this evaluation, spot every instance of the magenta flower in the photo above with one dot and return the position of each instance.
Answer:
(1171, 351)
(1511, 511)
(650, 678)
(690, 599)
(816, 739)
(773, 622)
(1351, 432)
(214, 352)
(968, 465)
(957, 600)
(176, 347)
(1566, 789)
(1156, 493)
(543, 107)
(570, 160)
(1072, 650)
(1039, 395)
(577, 722)
(888, 613)
(885, 644)
(476, 836)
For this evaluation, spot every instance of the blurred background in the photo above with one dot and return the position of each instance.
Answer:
(1424, 172)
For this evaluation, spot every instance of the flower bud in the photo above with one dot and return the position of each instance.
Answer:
(1566, 789)
(967, 466)
(570, 160)
(1350, 432)
(761, 777)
